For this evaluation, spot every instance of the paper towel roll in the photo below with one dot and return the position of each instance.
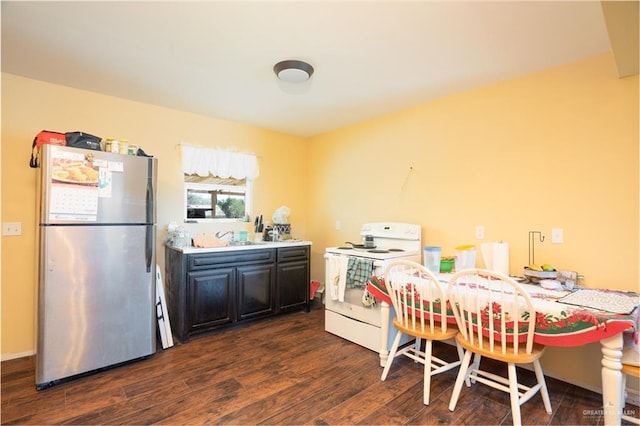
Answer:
(487, 255)
(496, 257)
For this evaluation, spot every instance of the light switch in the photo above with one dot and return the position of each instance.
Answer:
(11, 228)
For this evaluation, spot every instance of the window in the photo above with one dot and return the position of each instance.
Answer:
(215, 198)
(218, 185)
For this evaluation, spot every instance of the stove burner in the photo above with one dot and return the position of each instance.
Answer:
(392, 249)
(345, 248)
(378, 251)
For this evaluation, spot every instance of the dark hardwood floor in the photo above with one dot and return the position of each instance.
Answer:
(286, 370)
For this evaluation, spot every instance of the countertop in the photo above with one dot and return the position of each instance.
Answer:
(253, 246)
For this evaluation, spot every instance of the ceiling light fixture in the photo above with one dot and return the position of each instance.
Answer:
(293, 71)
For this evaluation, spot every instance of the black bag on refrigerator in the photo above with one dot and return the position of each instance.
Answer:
(83, 140)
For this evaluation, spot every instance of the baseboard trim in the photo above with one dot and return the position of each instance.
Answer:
(7, 357)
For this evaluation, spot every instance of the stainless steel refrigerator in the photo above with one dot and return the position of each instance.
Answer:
(96, 275)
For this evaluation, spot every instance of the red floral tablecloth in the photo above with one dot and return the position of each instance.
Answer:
(557, 323)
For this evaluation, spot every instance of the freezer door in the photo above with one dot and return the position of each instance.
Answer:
(96, 300)
(85, 186)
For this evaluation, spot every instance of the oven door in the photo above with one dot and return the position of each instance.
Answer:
(354, 321)
(352, 306)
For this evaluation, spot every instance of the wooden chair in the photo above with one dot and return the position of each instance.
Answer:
(419, 302)
(507, 318)
(632, 371)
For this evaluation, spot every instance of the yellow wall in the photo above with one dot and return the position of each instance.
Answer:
(558, 148)
(554, 149)
(29, 106)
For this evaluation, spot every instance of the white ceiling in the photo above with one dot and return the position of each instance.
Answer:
(215, 58)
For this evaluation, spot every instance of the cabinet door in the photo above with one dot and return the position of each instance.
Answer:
(293, 286)
(256, 295)
(210, 298)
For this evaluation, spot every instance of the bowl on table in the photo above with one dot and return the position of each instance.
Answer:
(446, 264)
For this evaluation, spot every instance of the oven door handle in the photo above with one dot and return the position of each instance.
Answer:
(377, 263)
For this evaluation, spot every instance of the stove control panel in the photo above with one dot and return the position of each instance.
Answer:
(391, 230)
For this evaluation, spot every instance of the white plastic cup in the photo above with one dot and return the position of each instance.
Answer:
(432, 256)
(465, 257)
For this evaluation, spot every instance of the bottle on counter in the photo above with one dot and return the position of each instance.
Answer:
(111, 144)
(124, 147)
(107, 144)
(133, 149)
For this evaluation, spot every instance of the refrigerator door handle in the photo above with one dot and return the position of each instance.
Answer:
(150, 200)
(148, 249)
(150, 216)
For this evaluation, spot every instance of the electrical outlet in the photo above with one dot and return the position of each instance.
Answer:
(479, 232)
(557, 236)
(338, 225)
(12, 228)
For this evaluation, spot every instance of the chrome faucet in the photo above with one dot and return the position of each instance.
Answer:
(219, 235)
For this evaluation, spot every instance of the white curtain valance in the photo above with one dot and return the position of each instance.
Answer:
(224, 164)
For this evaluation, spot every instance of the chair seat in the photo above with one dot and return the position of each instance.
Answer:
(508, 357)
(450, 333)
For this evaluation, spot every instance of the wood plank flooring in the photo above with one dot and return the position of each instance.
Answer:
(286, 370)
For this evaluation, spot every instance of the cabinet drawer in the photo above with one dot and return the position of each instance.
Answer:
(290, 254)
(208, 260)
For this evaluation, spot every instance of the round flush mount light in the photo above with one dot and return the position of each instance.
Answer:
(293, 71)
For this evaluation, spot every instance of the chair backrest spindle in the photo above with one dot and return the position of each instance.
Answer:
(418, 298)
(492, 310)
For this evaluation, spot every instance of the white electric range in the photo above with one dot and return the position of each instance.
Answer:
(347, 313)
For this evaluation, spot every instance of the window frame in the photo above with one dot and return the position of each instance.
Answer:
(247, 189)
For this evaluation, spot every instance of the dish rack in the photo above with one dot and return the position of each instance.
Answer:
(536, 276)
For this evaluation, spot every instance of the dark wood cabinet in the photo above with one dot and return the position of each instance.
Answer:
(293, 279)
(210, 298)
(256, 291)
(209, 290)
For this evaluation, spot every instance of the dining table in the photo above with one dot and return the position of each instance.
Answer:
(564, 318)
